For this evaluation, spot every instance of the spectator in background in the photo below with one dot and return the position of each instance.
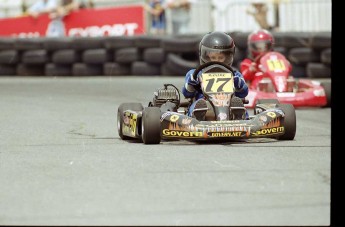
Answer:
(67, 6)
(88, 4)
(56, 27)
(258, 9)
(180, 15)
(158, 19)
(42, 7)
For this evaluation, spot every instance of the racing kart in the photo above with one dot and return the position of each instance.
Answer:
(165, 116)
(274, 82)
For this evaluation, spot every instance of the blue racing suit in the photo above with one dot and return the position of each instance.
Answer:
(192, 88)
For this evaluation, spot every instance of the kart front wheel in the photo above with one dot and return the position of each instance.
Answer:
(120, 110)
(267, 101)
(289, 121)
(151, 125)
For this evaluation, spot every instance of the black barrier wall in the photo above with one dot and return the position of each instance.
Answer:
(146, 55)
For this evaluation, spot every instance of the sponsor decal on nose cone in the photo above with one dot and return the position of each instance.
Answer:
(271, 114)
(269, 131)
(174, 133)
(174, 118)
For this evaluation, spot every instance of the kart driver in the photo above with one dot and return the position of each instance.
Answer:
(259, 42)
(219, 47)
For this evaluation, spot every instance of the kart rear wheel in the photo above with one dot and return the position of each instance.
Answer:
(151, 125)
(120, 110)
(289, 121)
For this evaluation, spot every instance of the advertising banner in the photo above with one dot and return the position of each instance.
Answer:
(114, 21)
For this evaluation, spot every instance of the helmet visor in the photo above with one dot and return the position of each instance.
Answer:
(219, 55)
(261, 46)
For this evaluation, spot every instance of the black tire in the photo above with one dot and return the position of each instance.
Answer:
(240, 38)
(87, 43)
(9, 57)
(52, 69)
(321, 40)
(116, 69)
(282, 50)
(83, 69)
(180, 45)
(127, 55)
(118, 42)
(303, 55)
(178, 65)
(239, 56)
(123, 107)
(30, 70)
(7, 43)
(139, 68)
(151, 125)
(147, 41)
(318, 70)
(29, 43)
(97, 56)
(327, 86)
(326, 56)
(155, 55)
(262, 101)
(166, 71)
(279, 39)
(66, 56)
(57, 43)
(298, 71)
(289, 121)
(6, 70)
(295, 39)
(34, 57)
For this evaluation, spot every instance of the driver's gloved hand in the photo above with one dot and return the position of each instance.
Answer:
(193, 82)
(239, 81)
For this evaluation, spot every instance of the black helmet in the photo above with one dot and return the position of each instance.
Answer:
(217, 42)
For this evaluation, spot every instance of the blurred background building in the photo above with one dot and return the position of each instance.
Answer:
(225, 15)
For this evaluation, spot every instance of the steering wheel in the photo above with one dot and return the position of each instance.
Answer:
(212, 64)
(215, 65)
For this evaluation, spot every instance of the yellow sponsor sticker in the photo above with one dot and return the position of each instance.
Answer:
(271, 114)
(175, 133)
(174, 118)
(269, 131)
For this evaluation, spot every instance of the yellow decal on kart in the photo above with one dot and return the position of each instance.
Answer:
(131, 127)
(174, 118)
(276, 65)
(271, 114)
(175, 133)
(269, 131)
(217, 82)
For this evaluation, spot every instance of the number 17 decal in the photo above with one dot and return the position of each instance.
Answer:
(217, 82)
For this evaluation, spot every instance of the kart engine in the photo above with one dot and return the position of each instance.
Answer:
(169, 93)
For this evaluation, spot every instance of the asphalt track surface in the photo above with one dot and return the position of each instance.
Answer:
(63, 163)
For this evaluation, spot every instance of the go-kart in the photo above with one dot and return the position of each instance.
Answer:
(165, 116)
(274, 82)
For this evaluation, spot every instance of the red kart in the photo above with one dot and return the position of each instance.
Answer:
(274, 82)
